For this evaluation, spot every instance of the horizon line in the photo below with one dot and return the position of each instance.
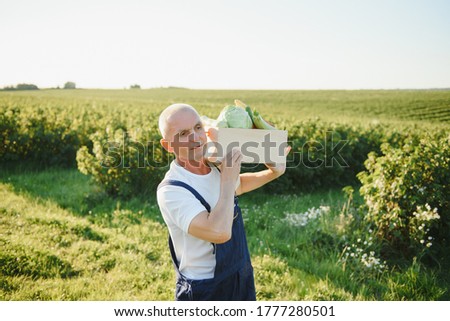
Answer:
(227, 89)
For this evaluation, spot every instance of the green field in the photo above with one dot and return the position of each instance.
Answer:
(410, 106)
(63, 237)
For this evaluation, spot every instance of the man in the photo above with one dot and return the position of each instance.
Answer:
(199, 205)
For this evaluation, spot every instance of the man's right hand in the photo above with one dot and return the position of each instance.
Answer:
(231, 166)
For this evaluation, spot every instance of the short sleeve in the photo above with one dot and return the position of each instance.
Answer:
(178, 206)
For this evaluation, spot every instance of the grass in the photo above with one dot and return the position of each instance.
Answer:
(62, 239)
(50, 251)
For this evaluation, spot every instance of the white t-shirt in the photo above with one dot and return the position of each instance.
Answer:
(178, 207)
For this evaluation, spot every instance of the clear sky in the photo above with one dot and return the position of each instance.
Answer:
(229, 44)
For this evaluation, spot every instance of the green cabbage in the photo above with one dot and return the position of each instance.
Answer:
(221, 124)
(208, 122)
(235, 117)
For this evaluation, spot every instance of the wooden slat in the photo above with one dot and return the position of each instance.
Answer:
(256, 145)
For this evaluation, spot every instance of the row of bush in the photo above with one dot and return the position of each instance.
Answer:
(405, 173)
(52, 135)
(130, 162)
(121, 150)
(38, 138)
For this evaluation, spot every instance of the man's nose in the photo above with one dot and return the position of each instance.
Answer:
(194, 136)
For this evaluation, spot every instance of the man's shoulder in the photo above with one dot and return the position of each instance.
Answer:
(195, 182)
(167, 187)
(169, 190)
(179, 173)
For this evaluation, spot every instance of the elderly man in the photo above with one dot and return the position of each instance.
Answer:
(199, 204)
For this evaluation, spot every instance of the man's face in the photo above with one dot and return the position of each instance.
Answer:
(187, 136)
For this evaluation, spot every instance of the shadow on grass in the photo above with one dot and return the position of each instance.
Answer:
(73, 191)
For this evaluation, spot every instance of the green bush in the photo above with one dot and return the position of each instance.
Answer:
(38, 136)
(125, 163)
(406, 193)
(326, 155)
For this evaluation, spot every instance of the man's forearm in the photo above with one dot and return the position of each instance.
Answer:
(252, 181)
(221, 216)
(216, 226)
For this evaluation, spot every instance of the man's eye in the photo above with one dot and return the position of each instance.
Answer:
(183, 133)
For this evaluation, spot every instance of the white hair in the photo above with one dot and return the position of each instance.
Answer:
(164, 117)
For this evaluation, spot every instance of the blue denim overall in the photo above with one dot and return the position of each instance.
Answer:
(233, 276)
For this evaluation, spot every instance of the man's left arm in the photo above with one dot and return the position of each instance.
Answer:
(252, 181)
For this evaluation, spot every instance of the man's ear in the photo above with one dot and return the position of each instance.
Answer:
(166, 145)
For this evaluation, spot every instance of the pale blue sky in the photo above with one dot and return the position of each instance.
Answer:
(279, 44)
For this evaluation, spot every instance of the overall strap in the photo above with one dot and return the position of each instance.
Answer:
(189, 188)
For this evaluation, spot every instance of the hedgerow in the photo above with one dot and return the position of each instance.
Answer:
(120, 149)
(406, 192)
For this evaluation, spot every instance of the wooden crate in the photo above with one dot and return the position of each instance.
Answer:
(256, 145)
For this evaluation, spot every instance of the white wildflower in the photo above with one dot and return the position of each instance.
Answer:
(302, 219)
